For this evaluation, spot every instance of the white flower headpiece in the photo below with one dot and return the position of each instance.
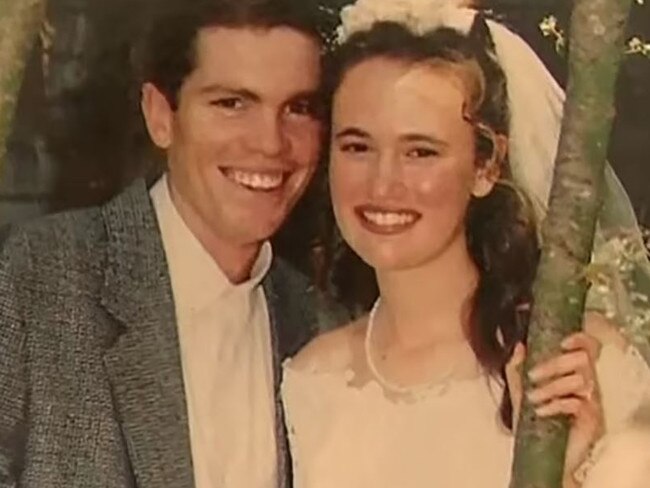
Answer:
(419, 16)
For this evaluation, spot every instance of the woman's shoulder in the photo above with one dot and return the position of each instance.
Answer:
(623, 374)
(602, 329)
(333, 351)
(618, 358)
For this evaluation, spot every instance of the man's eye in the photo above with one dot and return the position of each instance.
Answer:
(229, 103)
(422, 152)
(308, 108)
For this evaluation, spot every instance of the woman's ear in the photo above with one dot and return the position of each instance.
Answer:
(489, 171)
(158, 115)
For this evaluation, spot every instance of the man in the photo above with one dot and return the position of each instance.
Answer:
(141, 341)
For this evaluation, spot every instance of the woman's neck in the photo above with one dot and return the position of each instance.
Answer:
(429, 304)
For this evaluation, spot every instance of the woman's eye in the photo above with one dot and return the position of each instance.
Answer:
(230, 103)
(422, 152)
(354, 147)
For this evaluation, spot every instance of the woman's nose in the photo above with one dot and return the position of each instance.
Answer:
(387, 178)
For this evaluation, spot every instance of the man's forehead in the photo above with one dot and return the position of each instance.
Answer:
(255, 36)
(257, 59)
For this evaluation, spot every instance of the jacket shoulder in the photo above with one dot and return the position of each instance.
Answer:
(58, 243)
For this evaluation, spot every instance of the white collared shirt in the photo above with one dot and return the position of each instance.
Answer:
(226, 356)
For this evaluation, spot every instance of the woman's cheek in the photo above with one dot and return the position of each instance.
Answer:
(441, 187)
(430, 192)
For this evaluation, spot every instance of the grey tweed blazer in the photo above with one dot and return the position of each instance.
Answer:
(91, 389)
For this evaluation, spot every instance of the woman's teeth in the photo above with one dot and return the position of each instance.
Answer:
(389, 218)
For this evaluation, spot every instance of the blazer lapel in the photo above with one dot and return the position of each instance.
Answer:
(282, 446)
(293, 323)
(144, 365)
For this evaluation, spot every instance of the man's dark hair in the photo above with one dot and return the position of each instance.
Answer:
(169, 49)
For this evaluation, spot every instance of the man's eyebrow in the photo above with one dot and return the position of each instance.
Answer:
(240, 92)
(314, 94)
(351, 132)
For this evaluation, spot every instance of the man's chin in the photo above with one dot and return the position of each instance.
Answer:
(259, 232)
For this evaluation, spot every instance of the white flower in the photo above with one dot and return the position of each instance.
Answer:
(637, 46)
(418, 16)
(550, 28)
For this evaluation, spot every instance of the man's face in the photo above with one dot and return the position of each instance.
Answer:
(245, 138)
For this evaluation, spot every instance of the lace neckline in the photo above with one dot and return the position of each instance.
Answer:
(343, 382)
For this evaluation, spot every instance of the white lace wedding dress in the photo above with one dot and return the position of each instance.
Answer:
(345, 436)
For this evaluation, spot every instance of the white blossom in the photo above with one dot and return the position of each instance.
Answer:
(637, 46)
(419, 16)
(550, 28)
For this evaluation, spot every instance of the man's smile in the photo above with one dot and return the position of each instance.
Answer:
(256, 180)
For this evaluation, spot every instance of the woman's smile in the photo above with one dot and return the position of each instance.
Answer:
(386, 221)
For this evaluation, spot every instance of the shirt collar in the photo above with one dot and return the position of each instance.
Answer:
(196, 278)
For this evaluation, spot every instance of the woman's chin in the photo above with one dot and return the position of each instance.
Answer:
(383, 261)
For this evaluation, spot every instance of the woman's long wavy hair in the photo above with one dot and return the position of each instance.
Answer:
(500, 227)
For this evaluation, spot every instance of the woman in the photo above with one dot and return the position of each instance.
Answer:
(417, 393)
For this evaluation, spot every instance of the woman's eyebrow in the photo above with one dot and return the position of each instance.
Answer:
(416, 137)
(351, 131)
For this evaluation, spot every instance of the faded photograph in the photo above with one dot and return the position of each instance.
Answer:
(324, 243)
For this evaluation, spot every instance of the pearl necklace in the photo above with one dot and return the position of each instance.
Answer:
(438, 386)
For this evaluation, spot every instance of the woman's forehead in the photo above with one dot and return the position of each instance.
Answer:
(384, 83)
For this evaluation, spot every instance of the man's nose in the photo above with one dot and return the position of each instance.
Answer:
(270, 137)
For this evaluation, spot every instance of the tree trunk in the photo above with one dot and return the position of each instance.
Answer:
(596, 48)
(20, 21)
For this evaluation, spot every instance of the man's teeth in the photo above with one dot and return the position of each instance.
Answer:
(256, 181)
(389, 218)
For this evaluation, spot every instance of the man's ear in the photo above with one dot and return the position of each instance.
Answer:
(158, 115)
(489, 172)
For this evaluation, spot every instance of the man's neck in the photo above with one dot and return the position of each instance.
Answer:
(235, 260)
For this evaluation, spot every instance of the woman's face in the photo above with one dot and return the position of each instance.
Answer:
(402, 165)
